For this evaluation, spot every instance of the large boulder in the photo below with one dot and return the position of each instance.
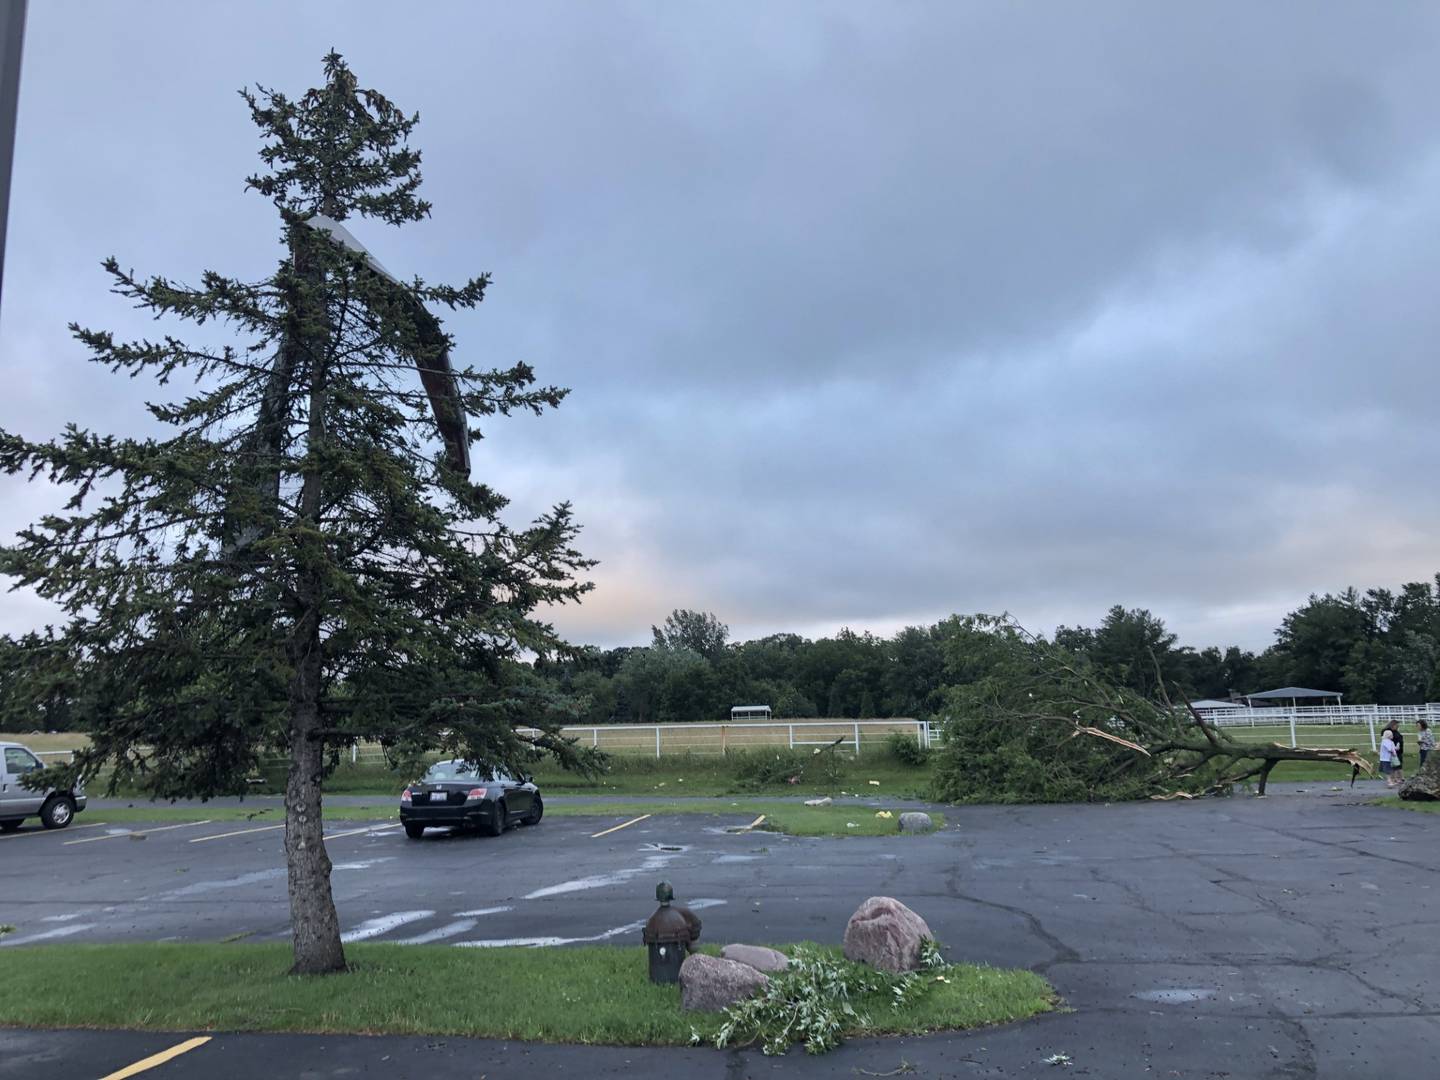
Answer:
(710, 984)
(885, 934)
(756, 956)
(915, 821)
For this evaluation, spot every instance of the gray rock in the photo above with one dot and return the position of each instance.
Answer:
(885, 934)
(756, 956)
(915, 821)
(710, 984)
(819, 802)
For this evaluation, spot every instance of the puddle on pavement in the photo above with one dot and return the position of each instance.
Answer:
(1176, 995)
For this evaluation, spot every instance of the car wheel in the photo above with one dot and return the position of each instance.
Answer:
(58, 812)
(10, 824)
(496, 826)
(537, 811)
(414, 832)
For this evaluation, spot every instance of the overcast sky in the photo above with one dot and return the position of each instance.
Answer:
(872, 312)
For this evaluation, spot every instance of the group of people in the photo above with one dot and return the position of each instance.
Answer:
(1392, 750)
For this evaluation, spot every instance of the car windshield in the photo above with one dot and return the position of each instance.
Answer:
(456, 770)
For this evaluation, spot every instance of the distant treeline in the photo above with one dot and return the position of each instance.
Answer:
(1377, 646)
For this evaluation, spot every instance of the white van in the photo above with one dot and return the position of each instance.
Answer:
(54, 808)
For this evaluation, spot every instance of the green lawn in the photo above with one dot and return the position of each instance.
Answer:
(1397, 803)
(597, 994)
(686, 774)
(1303, 771)
(836, 820)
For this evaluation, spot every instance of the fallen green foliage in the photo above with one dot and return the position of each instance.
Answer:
(596, 994)
(823, 997)
(1031, 722)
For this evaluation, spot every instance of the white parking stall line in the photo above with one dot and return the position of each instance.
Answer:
(51, 832)
(617, 828)
(439, 933)
(47, 935)
(371, 829)
(383, 925)
(237, 832)
(604, 935)
(137, 832)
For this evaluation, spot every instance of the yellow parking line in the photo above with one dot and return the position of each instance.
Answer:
(47, 832)
(617, 828)
(237, 832)
(161, 1058)
(138, 832)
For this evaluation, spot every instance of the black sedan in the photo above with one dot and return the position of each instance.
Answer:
(458, 795)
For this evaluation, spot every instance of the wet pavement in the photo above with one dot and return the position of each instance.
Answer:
(1292, 936)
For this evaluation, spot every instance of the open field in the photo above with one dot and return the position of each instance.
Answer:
(1326, 735)
(45, 743)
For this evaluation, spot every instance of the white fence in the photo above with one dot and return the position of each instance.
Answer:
(657, 740)
(1344, 725)
(1308, 715)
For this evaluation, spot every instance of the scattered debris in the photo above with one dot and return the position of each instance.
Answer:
(1058, 1059)
(904, 1067)
(914, 821)
(1179, 995)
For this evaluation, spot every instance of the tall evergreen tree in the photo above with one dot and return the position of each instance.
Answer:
(295, 566)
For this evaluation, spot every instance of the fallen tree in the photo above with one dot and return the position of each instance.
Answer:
(1031, 722)
(1424, 786)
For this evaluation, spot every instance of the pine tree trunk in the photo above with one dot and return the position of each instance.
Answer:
(315, 926)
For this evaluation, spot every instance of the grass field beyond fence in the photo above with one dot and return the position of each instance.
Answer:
(746, 770)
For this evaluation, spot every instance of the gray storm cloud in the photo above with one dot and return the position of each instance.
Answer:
(872, 313)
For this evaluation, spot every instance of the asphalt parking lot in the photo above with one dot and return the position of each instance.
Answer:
(1294, 936)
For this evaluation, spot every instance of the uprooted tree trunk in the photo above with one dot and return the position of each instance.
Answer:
(1424, 786)
(1257, 759)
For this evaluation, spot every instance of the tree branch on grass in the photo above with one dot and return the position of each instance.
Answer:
(1039, 725)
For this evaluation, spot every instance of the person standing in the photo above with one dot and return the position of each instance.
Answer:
(1398, 772)
(1387, 756)
(1426, 740)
